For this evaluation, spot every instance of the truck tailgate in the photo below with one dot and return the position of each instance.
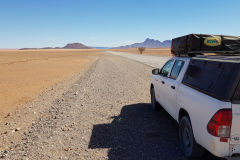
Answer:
(235, 130)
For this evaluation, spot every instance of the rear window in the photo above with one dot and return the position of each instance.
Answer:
(217, 79)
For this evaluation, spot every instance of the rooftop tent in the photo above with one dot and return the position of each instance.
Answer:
(203, 43)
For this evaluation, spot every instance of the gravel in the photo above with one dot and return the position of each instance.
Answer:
(106, 114)
(153, 61)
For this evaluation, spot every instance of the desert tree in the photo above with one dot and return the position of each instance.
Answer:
(141, 49)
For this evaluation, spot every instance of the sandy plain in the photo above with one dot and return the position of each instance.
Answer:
(24, 74)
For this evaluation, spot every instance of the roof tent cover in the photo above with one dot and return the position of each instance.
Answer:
(203, 43)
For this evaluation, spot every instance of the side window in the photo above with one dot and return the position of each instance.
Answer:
(166, 68)
(177, 67)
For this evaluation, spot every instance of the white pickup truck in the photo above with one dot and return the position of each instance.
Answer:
(202, 94)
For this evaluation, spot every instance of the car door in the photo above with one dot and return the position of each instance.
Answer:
(172, 84)
(160, 81)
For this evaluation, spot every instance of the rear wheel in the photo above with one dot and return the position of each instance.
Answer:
(154, 103)
(188, 144)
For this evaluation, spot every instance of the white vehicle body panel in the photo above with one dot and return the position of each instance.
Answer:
(201, 108)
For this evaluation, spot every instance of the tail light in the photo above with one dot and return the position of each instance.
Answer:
(220, 124)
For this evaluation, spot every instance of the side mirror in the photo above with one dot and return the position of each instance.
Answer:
(155, 71)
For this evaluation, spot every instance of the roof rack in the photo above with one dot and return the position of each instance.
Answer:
(217, 53)
(200, 44)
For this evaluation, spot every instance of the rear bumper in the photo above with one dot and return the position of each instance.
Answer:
(217, 148)
(234, 150)
(223, 149)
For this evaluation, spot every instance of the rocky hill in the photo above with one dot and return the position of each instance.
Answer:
(68, 46)
(148, 43)
(76, 46)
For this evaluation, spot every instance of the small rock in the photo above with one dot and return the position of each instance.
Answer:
(18, 145)
(17, 129)
(2, 156)
(9, 114)
(119, 120)
(67, 149)
(76, 93)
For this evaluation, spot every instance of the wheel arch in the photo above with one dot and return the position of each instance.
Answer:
(199, 149)
(151, 87)
(182, 112)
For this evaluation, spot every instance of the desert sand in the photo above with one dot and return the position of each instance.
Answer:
(27, 73)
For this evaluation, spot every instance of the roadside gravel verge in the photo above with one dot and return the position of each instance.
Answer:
(106, 114)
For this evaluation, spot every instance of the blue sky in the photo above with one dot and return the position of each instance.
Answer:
(41, 23)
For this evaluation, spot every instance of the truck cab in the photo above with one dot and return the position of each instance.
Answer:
(166, 83)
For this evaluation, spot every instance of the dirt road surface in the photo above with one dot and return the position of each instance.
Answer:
(153, 61)
(105, 114)
(147, 51)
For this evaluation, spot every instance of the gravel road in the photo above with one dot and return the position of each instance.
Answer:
(106, 114)
(153, 61)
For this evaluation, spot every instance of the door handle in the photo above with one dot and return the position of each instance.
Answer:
(163, 82)
(173, 87)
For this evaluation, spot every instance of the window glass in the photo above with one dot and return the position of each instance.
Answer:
(166, 68)
(214, 78)
(177, 67)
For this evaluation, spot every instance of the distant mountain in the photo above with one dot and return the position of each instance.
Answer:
(68, 46)
(148, 43)
(76, 46)
(28, 48)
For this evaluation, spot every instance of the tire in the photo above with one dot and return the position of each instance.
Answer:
(189, 146)
(154, 103)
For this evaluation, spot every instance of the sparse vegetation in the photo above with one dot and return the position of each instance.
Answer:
(148, 51)
(141, 49)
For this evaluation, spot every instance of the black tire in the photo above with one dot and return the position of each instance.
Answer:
(189, 146)
(154, 103)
